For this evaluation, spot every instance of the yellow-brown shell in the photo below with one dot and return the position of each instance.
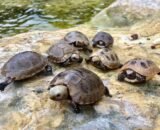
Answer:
(24, 65)
(84, 86)
(142, 66)
(108, 58)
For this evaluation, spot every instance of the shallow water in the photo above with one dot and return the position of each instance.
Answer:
(17, 16)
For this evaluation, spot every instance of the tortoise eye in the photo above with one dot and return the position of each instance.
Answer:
(75, 57)
(101, 43)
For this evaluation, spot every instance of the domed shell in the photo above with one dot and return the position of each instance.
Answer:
(108, 58)
(60, 52)
(76, 36)
(104, 37)
(142, 66)
(84, 86)
(24, 65)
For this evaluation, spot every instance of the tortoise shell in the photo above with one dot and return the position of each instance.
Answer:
(108, 58)
(61, 52)
(102, 40)
(84, 86)
(24, 65)
(142, 66)
(76, 36)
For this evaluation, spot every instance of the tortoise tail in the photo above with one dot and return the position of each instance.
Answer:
(4, 84)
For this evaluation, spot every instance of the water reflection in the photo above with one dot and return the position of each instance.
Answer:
(21, 16)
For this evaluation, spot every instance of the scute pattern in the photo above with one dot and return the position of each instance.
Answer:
(104, 37)
(108, 58)
(82, 90)
(74, 36)
(142, 66)
(60, 52)
(24, 65)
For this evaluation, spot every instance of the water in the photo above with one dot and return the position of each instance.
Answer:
(17, 16)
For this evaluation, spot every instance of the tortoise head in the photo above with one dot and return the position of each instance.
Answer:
(58, 92)
(96, 61)
(75, 57)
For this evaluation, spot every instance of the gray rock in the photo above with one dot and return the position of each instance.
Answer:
(126, 12)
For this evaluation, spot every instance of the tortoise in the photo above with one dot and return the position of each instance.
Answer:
(138, 70)
(104, 59)
(79, 85)
(102, 40)
(78, 39)
(22, 66)
(64, 54)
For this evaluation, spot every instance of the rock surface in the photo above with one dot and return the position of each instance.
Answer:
(128, 12)
(26, 105)
(132, 107)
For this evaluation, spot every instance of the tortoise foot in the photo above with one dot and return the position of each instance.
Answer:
(75, 107)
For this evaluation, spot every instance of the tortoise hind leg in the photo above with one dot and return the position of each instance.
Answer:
(88, 60)
(4, 84)
(107, 93)
(121, 76)
(75, 107)
(48, 70)
(141, 79)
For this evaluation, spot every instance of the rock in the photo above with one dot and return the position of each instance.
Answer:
(131, 107)
(128, 12)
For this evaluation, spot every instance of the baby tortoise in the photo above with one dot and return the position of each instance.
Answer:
(64, 54)
(78, 40)
(24, 65)
(102, 40)
(80, 86)
(104, 59)
(138, 70)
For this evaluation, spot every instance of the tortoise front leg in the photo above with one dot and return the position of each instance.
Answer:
(75, 107)
(4, 84)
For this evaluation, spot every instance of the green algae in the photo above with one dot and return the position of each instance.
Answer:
(18, 16)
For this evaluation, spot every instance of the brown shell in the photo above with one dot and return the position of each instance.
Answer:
(60, 52)
(76, 36)
(144, 67)
(24, 65)
(108, 57)
(84, 86)
(105, 37)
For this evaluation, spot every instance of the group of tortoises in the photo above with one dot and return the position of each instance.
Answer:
(79, 85)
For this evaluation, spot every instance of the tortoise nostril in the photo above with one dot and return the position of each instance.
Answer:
(58, 95)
